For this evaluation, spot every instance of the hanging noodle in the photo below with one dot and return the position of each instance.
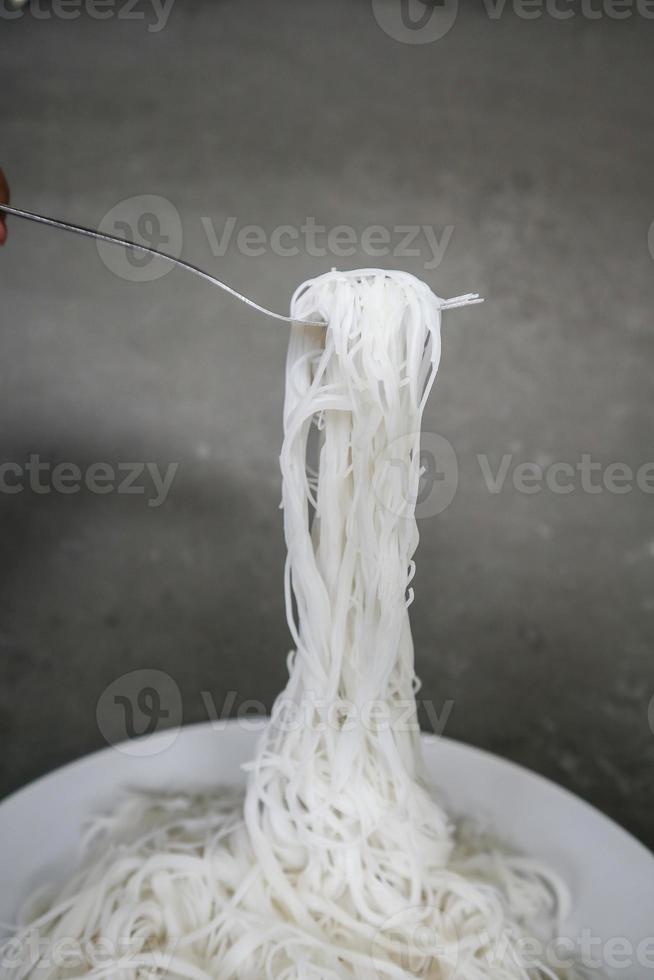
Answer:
(339, 863)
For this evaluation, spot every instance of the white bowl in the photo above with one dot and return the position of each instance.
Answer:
(611, 875)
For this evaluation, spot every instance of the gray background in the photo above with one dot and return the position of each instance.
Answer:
(533, 139)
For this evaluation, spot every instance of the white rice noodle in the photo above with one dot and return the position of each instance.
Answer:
(339, 863)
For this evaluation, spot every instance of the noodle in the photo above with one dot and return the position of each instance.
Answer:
(339, 862)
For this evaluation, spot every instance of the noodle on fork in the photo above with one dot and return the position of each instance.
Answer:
(339, 862)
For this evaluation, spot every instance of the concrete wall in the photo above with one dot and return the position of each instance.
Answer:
(526, 148)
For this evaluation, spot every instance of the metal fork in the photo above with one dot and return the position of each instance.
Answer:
(136, 246)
